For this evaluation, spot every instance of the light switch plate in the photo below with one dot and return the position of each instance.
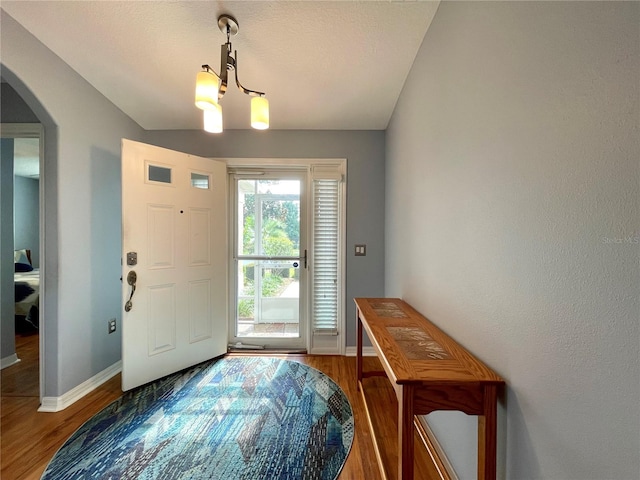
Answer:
(361, 250)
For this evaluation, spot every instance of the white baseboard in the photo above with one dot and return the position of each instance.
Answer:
(8, 361)
(55, 404)
(366, 352)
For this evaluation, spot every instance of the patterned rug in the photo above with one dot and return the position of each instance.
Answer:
(234, 418)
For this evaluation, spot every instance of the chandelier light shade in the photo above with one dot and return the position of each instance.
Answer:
(260, 113)
(213, 119)
(211, 87)
(206, 90)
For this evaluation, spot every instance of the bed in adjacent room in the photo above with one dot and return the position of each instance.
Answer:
(27, 289)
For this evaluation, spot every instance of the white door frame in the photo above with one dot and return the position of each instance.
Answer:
(315, 344)
(303, 306)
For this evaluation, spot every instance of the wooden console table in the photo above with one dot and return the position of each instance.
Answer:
(429, 371)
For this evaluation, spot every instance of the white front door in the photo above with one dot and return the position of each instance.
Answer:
(174, 237)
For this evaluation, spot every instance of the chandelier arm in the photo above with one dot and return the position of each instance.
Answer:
(252, 93)
(225, 58)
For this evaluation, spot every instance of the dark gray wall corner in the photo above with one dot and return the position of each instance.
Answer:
(14, 108)
(7, 294)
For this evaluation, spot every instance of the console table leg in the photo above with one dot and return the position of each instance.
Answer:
(487, 435)
(358, 349)
(405, 432)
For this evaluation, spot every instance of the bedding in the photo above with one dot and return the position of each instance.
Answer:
(27, 288)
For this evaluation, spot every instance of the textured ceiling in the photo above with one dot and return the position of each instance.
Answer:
(323, 65)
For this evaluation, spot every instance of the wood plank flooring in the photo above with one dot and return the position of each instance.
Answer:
(29, 439)
(22, 378)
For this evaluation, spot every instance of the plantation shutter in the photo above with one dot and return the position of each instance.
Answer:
(326, 251)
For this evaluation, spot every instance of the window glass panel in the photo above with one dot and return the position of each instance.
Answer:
(199, 180)
(269, 222)
(280, 222)
(276, 187)
(268, 299)
(159, 174)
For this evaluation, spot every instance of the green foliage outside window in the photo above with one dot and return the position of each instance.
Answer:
(280, 237)
(272, 285)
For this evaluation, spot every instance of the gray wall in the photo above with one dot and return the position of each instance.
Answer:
(26, 231)
(512, 178)
(364, 151)
(81, 178)
(7, 292)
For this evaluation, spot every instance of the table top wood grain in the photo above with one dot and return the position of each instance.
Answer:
(415, 351)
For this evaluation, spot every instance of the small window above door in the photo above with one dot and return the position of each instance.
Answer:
(200, 180)
(158, 174)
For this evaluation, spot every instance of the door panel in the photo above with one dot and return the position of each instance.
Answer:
(200, 314)
(160, 219)
(174, 218)
(162, 318)
(200, 238)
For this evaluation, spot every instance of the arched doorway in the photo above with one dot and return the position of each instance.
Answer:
(16, 124)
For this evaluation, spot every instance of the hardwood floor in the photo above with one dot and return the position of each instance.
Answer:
(29, 439)
(22, 378)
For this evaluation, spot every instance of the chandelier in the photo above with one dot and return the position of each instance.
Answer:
(211, 87)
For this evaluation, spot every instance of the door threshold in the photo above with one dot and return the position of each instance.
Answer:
(266, 351)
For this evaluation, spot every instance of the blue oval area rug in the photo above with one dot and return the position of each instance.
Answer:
(234, 418)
